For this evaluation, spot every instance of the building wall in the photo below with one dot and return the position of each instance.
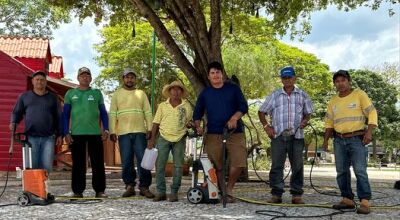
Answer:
(34, 63)
(13, 81)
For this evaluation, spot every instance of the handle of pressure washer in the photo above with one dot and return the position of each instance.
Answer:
(11, 149)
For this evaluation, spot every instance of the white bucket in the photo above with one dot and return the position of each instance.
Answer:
(149, 158)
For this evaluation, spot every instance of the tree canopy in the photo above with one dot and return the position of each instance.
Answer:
(31, 18)
(203, 34)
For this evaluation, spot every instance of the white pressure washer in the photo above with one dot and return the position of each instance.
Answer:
(204, 177)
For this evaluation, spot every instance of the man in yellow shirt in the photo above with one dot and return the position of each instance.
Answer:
(171, 119)
(131, 120)
(345, 120)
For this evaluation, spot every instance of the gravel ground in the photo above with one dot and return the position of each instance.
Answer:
(141, 208)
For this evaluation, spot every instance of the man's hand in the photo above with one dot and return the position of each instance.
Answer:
(303, 123)
(59, 141)
(270, 131)
(367, 137)
(151, 143)
(199, 130)
(104, 135)
(68, 139)
(113, 137)
(12, 126)
(232, 123)
(325, 146)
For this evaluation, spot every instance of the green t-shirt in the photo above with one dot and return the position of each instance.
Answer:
(85, 114)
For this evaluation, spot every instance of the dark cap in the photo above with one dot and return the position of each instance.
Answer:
(84, 70)
(288, 72)
(129, 71)
(39, 73)
(343, 73)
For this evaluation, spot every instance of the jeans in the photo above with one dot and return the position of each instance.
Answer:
(94, 146)
(133, 144)
(280, 146)
(178, 150)
(42, 152)
(351, 151)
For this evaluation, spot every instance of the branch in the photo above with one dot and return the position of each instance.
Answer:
(169, 43)
(215, 30)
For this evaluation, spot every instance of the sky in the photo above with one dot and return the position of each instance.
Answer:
(343, 40)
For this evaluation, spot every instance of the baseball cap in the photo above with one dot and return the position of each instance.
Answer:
(84, 70)
(288, 72)
(127, 71)
(40, 72)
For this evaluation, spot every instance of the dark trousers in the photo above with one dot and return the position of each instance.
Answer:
(95, 149)
(280, 147)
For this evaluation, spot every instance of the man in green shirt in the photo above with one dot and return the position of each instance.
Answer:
(83, 109)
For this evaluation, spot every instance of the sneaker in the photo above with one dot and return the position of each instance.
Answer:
(146, 192)
(160, 197)
(101, 195)
(275, 199)
(173, 197)
(364, 207)
(130, 191)
(346, 203)
(297, 200)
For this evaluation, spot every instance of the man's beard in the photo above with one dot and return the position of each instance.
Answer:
(130, 85)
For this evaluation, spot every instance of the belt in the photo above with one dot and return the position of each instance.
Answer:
(350, 134)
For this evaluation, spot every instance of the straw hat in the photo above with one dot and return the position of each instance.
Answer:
(177, 83)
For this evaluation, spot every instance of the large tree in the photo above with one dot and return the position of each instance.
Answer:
(203, 34)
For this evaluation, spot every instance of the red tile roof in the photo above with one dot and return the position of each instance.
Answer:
(56, 65)
(26, 47)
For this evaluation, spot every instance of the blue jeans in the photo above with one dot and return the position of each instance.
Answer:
(351, 151)
(280, 146)
(42, 152)
(130, 145)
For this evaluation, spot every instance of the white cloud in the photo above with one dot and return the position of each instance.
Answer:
(74, 42)
(348, 52)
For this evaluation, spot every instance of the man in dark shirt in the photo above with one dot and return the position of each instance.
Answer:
(225, 105)
(42, 112)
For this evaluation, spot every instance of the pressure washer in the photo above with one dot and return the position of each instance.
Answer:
(34, 181)
(204, 187)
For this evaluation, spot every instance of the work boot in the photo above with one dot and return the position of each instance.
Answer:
(297, 200)
(101, 195)
(160, 197)
(144, 191)
(130, 191)
(275, 199)
(346, 203)
(173, 197)
(364, 207)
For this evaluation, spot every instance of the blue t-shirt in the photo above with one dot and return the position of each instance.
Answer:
(42, 114)
(220, 104)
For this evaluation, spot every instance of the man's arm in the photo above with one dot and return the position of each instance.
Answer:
(328, 134)
(154, 132)
(17, 113)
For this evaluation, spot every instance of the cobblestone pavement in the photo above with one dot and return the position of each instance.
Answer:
(141, 208)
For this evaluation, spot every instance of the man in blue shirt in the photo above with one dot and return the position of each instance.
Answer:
(224, 104)
(290, 109)
(42, 112)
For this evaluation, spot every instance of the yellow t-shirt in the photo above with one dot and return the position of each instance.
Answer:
(173, 120)
(349, 113)
(130, 112)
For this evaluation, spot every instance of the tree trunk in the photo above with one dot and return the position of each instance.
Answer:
(189, 18)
